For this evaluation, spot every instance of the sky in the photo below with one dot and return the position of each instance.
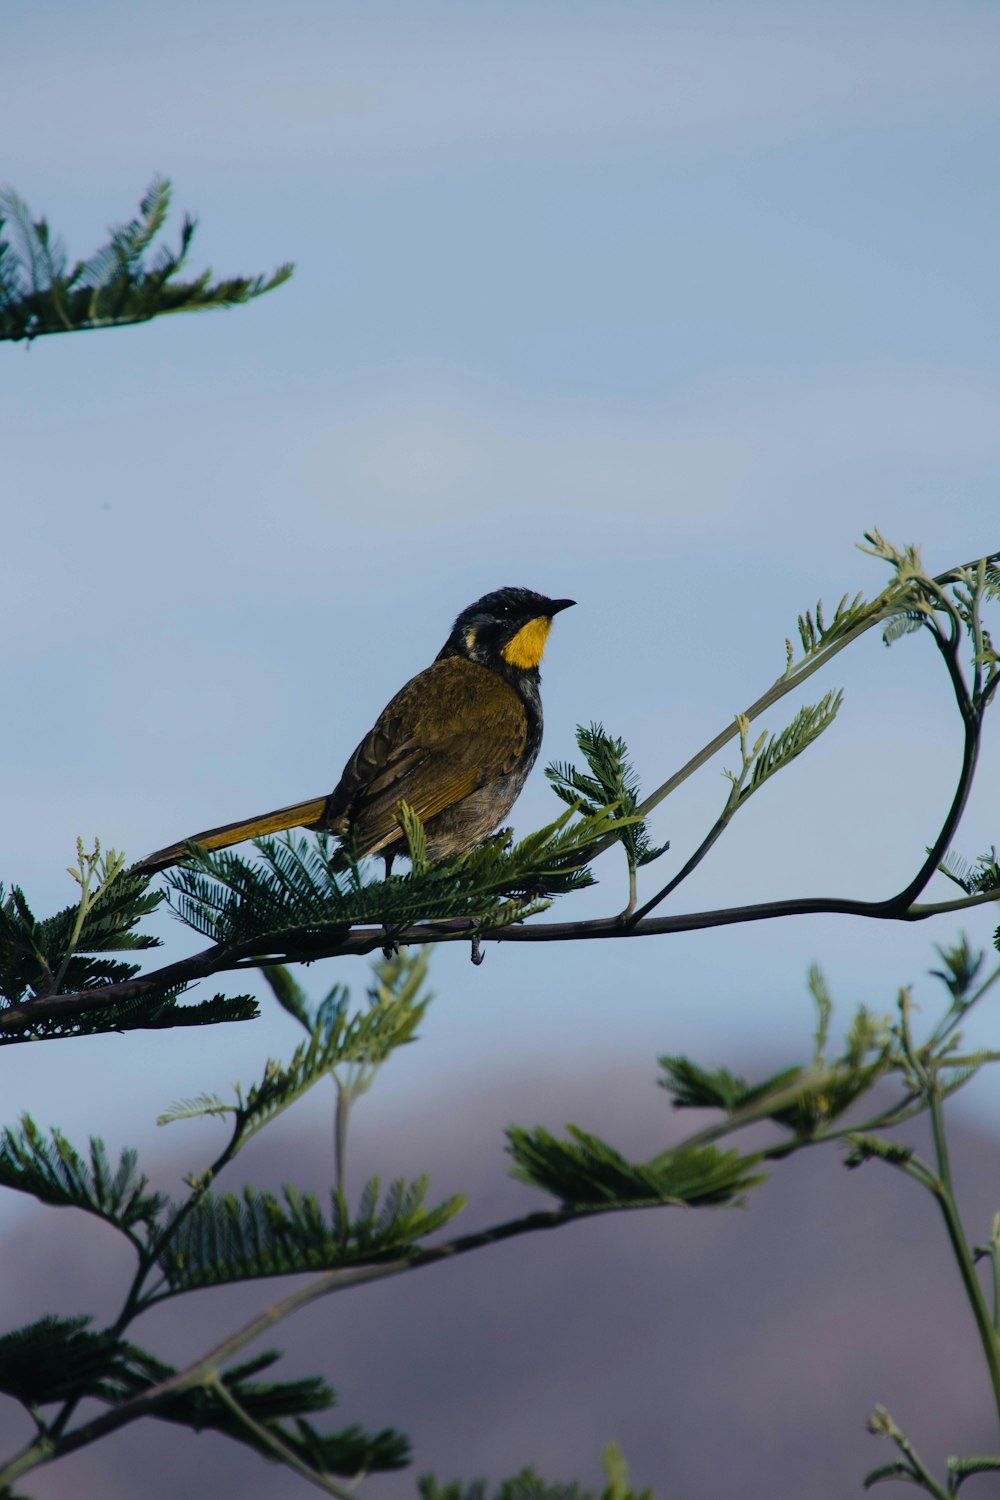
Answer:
(659, 308)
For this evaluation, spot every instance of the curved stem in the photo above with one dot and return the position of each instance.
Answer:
(718, 828)
(945, 1197)
(273, 1442)
(363, 941)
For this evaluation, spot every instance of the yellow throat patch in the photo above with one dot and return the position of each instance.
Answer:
(525, 649)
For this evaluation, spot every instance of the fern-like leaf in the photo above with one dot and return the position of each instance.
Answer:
(782, 748)
(815, 634)
(613, 783)
(33, 952)
(228, 1238)
(282, 1408)
(54, 1172)
(113, 287)
(529, 1485)
(585, 1172)
(295, 893)
(975, 877)
(693, 1087)
(156, 1010)
(60, 1359)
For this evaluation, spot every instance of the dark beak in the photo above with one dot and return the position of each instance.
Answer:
(555, 605)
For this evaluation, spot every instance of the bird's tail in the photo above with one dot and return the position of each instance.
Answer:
(298, 815)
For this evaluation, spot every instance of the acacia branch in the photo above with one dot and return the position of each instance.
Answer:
(791, 680)
(362, 941)
(273, 1443)
(205, 1371)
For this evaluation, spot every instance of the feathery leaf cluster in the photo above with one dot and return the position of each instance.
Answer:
(41, 294)
(337, 1036)
(804, 1101)
(585, 1172)
(295, 892)
(694, 1087)
(60, 1359)
(613, 783)
(153, 1010)
(55, 955)
(975, 877)
(270, 1405)
(54, 1172)
(529, 1485)
(33, 952)
(815, 633)
(228, 1238)
(807, 725)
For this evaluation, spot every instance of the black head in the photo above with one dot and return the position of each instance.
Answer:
(506, 629)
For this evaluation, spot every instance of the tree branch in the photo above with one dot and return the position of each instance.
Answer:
(204, 1371)
(50, 1008)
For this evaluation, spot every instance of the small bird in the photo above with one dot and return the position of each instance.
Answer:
(456, 743)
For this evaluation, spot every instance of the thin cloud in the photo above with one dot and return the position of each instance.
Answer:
(422, 453)
(320, 90)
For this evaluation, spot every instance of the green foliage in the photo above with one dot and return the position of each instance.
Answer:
(915, 598)
(33, 952)
(975, 877)
(53, 956)
(529, 1485)
(613, 783)
(154, 1010)
(911, 1468)
(693, 1087)
(911, 599)
(270, 1405)
(227, 1238)
(59, 1359)
(291, 996)
(815, 634)
(297, 899)
(396, 1004)
(804, 1101)
(337, 1036)
(906, 623)
(961, 1469)
(295, 892)
(54, 1172)
(807, 725)
(585, 1172)
(872, 1147)
(41, 294)
(962, 967)
(416, 839)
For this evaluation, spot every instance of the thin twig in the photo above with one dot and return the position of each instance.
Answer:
(363, 941)
(323, 1286)
(272, 1441)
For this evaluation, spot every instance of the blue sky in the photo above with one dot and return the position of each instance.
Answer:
(658, 308)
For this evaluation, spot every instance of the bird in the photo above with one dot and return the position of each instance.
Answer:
(455, 743)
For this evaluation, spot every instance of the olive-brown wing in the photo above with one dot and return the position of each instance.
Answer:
(453, 728)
